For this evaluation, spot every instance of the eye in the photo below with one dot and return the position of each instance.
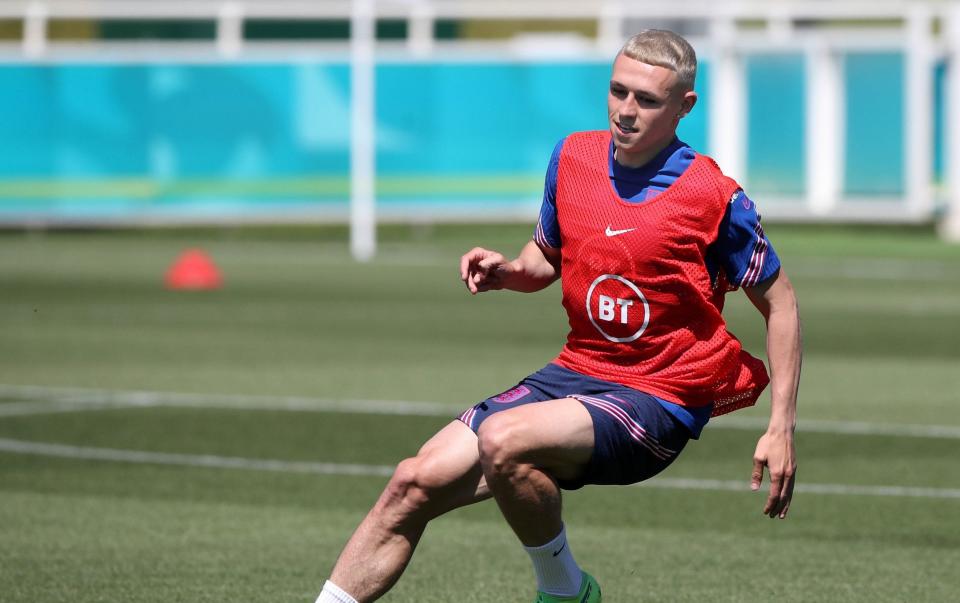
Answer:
(618, 91)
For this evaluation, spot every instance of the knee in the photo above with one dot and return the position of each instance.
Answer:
(412, 490)
(501, 445)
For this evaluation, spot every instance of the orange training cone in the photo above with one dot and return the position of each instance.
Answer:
(193, 269)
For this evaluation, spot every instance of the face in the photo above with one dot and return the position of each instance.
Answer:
(644, 106)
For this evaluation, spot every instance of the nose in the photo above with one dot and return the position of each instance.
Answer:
(628, 106)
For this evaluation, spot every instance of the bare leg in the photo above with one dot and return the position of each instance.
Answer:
(444, 475)
(523, 451)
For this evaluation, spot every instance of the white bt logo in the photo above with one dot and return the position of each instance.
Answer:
(617, 308)
(606, 310)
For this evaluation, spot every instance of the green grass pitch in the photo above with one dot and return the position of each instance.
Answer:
(85, 318)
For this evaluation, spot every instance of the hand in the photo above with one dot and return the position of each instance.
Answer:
(775, 450)
(483, 270)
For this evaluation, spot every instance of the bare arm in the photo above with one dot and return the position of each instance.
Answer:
(485, 270)
(775, 299)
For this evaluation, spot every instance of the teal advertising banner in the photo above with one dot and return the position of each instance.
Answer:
(129, 141)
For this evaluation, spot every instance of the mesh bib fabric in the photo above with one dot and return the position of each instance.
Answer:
(642, 309)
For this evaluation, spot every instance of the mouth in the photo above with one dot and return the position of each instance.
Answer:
(625, 129)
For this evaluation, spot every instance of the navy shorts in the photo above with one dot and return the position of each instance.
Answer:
(635, 438)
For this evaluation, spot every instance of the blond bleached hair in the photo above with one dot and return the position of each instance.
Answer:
(663, 48)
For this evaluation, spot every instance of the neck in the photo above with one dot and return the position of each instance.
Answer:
(639, 158)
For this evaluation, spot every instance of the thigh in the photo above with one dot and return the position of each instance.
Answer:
(635, 438)
(549, 383)
(448, 466)
(556, 436)
(585, 430)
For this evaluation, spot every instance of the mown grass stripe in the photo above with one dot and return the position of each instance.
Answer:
(83, 399)
(30, 399)
(804, 488)
(189, 460)
(348, 469)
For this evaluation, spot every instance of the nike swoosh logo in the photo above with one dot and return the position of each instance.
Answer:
(560, 550)
(612, 233)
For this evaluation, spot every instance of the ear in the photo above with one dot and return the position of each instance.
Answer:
(687, 103)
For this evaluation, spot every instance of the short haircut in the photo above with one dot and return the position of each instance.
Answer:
(663, 48)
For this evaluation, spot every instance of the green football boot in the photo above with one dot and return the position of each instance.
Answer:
(589, 593)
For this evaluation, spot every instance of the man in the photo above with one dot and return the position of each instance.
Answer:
(648, 237)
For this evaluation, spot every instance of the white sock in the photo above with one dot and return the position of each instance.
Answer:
(557, 572)
(334, 594)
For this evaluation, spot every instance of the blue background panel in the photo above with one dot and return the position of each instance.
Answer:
(776, 93)
(874, 115)
(122, 140)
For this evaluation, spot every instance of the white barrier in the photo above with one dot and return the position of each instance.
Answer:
(950, 226)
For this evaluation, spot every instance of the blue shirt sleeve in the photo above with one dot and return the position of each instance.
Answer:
(742, 248)
(547, 233)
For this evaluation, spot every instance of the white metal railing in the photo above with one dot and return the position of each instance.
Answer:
(907, 26)
(363, 219)
(780, 17)
(950, 225)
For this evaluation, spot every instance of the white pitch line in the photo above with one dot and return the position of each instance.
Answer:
(845, 427)
(45, 400)
(26, 409)
(315, 468)
(80, 399)
(188, 460)
(805, 488)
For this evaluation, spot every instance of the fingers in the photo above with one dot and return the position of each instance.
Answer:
(781, 488)
(469, 258)
(491, 261)
(481, 282)
(757, 477)
(479, 269)
(468, 274)
(464, 264)
(787, 494)
(775, 451)
(487, 281)
(781, 493)
(772, 506)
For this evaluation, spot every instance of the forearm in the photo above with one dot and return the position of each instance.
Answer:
(533, 270)
(777, 302)
(784, 352)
